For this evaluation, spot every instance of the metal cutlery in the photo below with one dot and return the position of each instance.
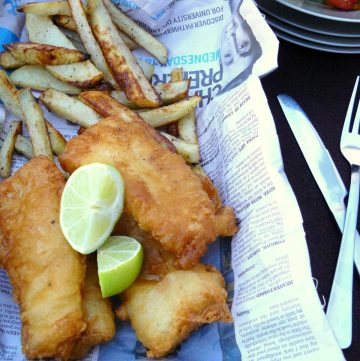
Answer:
(339, 310)
(320, 163)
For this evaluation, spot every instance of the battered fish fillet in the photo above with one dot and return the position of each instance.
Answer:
(47, 275)
(98, 314)
(164, 313)
(161, 191)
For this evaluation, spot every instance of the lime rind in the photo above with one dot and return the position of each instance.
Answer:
(119, 263)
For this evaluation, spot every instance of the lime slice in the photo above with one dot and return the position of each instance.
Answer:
(119, 262)
(91, 204)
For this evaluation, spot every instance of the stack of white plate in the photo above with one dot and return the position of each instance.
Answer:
(311, 24)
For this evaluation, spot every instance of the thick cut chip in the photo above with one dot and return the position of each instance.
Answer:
(66, 22)
(24, 147)
(46, 8)
(169, 93)
(7, 148)
(69, 108)
(8, 95)
(123, 64)
(57, 140)
(137, 33)
(37, 77)
(8, 61)
(170, 113)
(189, 151)
(82, 75)
(35, 122)
(42, 30)
(33, 53)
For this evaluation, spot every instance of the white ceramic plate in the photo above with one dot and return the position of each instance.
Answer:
(310, 36)
(308, 22)
(312, 45)
(316, 8)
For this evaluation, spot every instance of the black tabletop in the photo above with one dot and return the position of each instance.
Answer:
(322, 84)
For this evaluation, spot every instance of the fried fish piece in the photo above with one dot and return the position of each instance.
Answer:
(164, 313)
(98, 314)
(157, 262)
(161, 191)
(46, 273)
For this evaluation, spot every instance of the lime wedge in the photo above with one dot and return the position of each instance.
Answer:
(119, 263)
(91, 204)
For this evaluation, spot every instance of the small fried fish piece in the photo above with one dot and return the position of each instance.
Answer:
(164, 313)
(98, 313)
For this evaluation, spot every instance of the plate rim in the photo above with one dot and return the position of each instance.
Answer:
(295, 23)
(273, 23)
(316, 46)
(318, 14)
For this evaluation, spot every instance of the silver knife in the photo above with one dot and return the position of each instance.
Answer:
(320, 163)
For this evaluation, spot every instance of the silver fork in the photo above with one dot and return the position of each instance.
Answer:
(339, 310)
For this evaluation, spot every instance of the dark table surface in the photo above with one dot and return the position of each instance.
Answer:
(322, 83)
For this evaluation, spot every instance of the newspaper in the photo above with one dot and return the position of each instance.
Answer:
(224, 47)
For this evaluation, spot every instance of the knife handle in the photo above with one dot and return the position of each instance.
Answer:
(339, 310)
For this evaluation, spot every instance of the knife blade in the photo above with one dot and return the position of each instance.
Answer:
(320, 163)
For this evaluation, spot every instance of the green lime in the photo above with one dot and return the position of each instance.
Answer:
(91, 204)
(119, 262)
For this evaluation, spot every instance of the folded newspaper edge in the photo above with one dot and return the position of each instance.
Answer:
(276, 310)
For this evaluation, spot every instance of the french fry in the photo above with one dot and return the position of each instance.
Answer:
(107, 106)
(174, 91)
(189, 151)
(40, 54)
(8, 61)
(126, 70)
(130, 43)
(102, 103)
(9, 96)
(75, 39)
(24, 147)
(7, 148)
(37, 77)
(42, 30)
(169, 93)
(147, 68)
(176, 74)
(46, 8)
(57, 140)
(169, 113)
(88, 39)
(66, 22)
(187, 128)
(81, 75)
(121, 98)
(35, 124)
(69, 23)
(69, 108)
(137, 33)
